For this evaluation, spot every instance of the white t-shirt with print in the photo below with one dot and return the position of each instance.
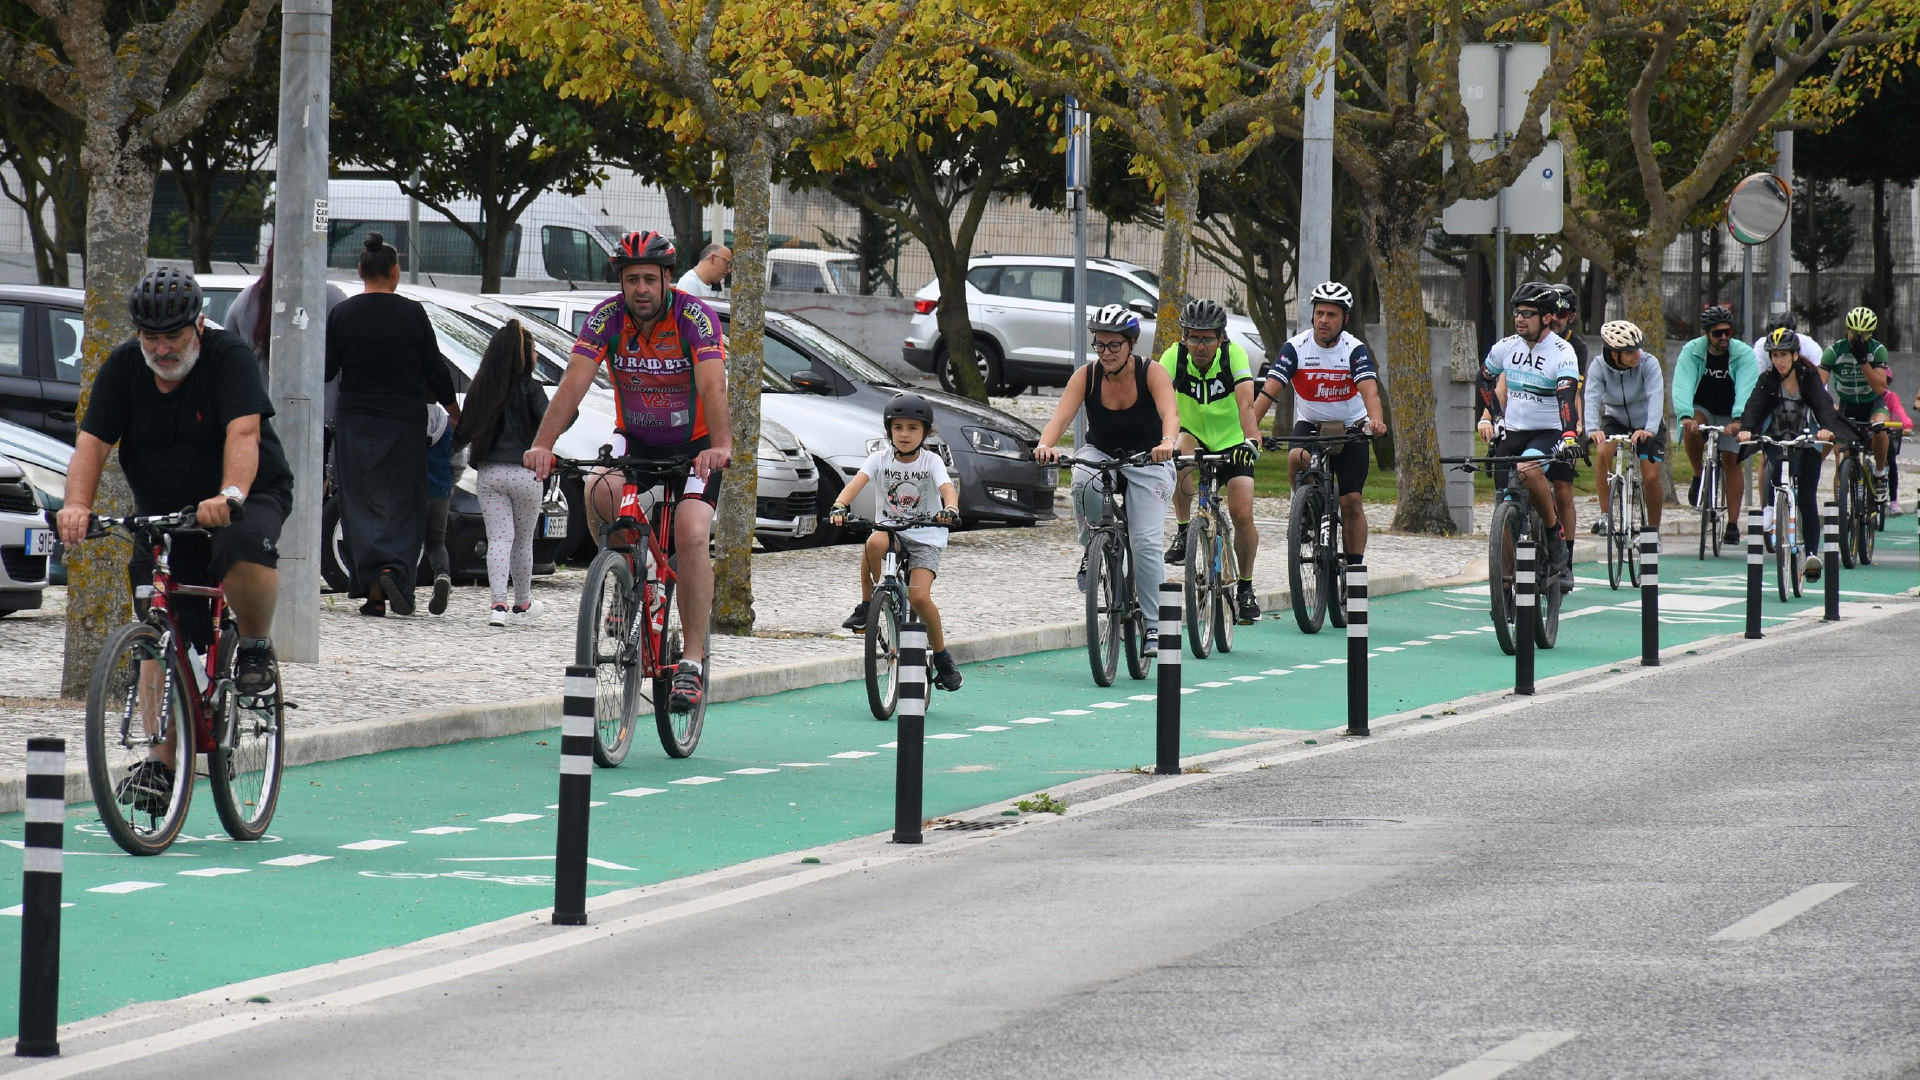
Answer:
(908, 491)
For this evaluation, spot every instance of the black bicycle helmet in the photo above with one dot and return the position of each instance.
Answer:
(1203, 315)
(1536, 294)
(1715, 315)
(907, 407)
(1569, 301)
(1115, 319)
(637, 248)
(1784, 321)
(165, 300)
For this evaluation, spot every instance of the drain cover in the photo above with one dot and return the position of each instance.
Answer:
(1314, 822)
(951, 825)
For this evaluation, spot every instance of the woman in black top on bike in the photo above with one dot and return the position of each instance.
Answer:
(1131, 411)
(1789, 393)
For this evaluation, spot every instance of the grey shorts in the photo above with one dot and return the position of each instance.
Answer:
(1729, 444)
(921, 555)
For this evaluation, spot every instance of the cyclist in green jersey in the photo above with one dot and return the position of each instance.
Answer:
(1213, 382)
(1855, 369)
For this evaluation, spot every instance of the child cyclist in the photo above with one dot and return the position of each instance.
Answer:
(907, 474)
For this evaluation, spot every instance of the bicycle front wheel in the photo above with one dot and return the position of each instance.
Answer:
(1546, 628)
(883, 653)
(1139, 628)
(1846, 497)
(1105, 613)
(1502, 534)
(679, 732)
(1226, 576)
(1616, 530)
(1785, 559)
(1869, 517)
(604, 640)
(1636, 524)
(1305, 566)
(134, 705)
(1202, 581)
(244, 768)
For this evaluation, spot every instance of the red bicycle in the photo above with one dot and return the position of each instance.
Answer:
(629, 629)
(151, 687)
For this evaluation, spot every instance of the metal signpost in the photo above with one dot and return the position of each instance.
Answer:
(1079, 162)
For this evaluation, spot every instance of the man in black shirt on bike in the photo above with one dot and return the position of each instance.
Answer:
(185, 405)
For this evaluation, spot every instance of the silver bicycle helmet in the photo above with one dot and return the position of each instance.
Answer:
(1115, 319)
(1203, 315)
(1332, 292)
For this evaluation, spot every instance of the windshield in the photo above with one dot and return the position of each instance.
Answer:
(855, 361)
(461, 342)
(555, 344)
(1149, 277)
(845, 274)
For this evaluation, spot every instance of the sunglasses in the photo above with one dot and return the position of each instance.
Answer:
(1719, 333)
(1525, 313)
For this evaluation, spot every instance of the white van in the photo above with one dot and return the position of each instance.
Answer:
(555, 239)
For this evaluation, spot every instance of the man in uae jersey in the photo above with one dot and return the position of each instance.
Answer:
(1528, 386)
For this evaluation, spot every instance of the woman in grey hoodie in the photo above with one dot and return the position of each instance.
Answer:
(1626, 396)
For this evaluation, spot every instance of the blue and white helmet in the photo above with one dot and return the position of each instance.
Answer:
(1115, 319)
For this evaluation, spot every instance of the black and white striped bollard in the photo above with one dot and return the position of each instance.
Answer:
(576, 791)
(1167, 692)
(1649, 597)
(1756, 558)
(40, 913)
(1830, 554)
(911, 756)
(1357, 650)
(1526, 616)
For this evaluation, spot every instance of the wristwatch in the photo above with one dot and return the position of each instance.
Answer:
(234, 493)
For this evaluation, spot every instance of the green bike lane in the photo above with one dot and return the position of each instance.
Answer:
(389, 849)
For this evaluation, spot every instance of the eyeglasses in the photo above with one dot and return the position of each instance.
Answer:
(1720, 333)
(723, 261)
(1203, 339)
(1109, 346)
(1525, 313)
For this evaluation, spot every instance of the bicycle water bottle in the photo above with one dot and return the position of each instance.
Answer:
(197, 660)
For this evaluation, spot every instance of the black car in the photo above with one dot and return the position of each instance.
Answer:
(40, 331)
(991, 452)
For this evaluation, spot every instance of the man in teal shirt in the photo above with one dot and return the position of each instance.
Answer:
(1712, 379)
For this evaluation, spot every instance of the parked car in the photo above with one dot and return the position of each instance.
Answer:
(833, 397)
(40, 332)
(1022, 310)
(567, 309)
(554, 240)
(26, 543)
(811, 271)
(43, 459)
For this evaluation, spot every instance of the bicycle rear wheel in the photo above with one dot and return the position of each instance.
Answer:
(1104, 613)
(883, 653)
(136, 680)
(679, 732)
(1847, 508)
(1200, 586)
(1304, 564)
(603, 640)
(244, 768)
(1502, 535)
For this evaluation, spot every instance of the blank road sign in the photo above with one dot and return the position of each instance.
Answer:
(1536, 201)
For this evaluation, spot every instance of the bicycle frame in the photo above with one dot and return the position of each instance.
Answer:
(201, 703)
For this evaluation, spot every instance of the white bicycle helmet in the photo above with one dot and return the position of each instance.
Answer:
(1621, 334)
(1115, 319)
(1332, 292)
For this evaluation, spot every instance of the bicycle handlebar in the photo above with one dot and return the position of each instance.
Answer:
(1145, 457)
(607, 460)
(900, 527)
(1281, 442)
(186, 519)
(1798, 441)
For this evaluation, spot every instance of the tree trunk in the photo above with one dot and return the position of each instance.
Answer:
(1176, 240)
(751, 158)
(493, 247)
(120, 195)
(683, 217)
(1880, 291)
(949, 247)
(1422, 487)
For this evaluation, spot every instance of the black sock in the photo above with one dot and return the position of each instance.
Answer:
(1355, 560)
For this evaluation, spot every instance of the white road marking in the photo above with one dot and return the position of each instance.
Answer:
(444, 830)
(750, 772)
(1780, 912)
(989, 727)
(1306, 667)
(803, 764)
(1108, 705)
(591, 861)
(1508, 1055)
(695, 781)
(1334, 661)
(1070, 712)
(1272, 671)
(1439, 637)
(852, 754)
(590, 804)
(1390, 648)
(636, 792)
(20, 910)
(1415, 643)
(1215, 685)
(514, 819)
(214, 871)
(1486, 629)
(950, 735)
(370, 845)
(296, 860)
(496, 858)
(890, 745)
(1248, 678)
(125, 886)
(1130, 697)
(1189, 690)
(1033, 720)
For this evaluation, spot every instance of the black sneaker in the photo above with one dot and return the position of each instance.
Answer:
(1733, 535)
(253, 667)
(857, 622)
(1177, 551)
(689, 687)
(442, 589)
(946, 672)
(148, 787)
(400, 599)
(1693, 490)
(1248, 605)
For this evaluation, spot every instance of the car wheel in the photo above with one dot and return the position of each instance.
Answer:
(985, 353)
(333, 544)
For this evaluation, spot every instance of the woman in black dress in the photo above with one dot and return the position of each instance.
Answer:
(384, 350)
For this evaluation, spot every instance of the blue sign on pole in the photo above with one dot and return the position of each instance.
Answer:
(1079, 146)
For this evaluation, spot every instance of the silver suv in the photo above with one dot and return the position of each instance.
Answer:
(1022, 309)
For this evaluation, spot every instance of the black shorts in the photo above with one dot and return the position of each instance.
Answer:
(1546, 441)
(677, 485)
(1350, 463)
(205, 558)
(1654, 449)
(1226, 470)
(1861, 413)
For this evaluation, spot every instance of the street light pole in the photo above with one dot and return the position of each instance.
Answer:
(300, 313)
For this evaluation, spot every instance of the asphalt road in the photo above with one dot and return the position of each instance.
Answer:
(1542, 883)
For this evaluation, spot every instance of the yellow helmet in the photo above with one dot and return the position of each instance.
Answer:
(1862, 320)
(1781, 339)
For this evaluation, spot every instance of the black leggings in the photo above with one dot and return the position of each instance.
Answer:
(1806, 478)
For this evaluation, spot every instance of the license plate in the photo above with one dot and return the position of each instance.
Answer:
(1053, 476)
(40, 541)
(806, 525)
(553, 528)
